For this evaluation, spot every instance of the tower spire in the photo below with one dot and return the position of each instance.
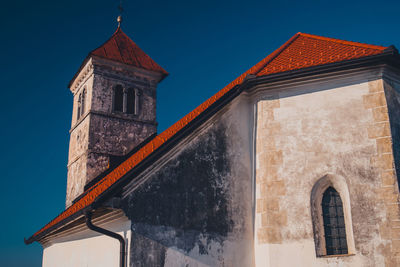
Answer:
(119, 19)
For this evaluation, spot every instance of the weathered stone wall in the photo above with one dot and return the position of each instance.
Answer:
(196, 210)
(117, 136)
(101, 132)
(77, 158)
(337, 127)
(107, 77)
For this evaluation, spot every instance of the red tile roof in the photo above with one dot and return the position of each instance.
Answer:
(306, 50)
(301, 51)
(122, 49)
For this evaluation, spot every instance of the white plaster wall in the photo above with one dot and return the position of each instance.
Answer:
(322, 129)
(87, 248)
(318, 130)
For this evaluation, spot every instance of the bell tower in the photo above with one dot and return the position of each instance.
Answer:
(114, 108)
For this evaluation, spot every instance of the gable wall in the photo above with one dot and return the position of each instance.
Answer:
(337, 127)
(196, 210)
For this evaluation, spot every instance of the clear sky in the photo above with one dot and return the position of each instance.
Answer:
(202, 44)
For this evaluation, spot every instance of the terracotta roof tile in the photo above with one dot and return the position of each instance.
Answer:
(306, 50)
(301, 51)
(122, 49)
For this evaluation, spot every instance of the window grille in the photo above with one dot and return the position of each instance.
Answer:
(335, 231)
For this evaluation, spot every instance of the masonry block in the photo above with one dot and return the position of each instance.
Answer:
(374, 100)
(383, 161)
(380, 114)
(375, 86)
(379, 130)
(384, 145)
(388, 178)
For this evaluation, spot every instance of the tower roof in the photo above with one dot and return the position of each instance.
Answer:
(119, 47)
(122, 49)
(300, 54)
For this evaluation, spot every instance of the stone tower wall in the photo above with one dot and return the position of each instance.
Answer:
(101, 132)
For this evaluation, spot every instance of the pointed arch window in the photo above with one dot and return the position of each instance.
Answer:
(334, 226)
(331, 217)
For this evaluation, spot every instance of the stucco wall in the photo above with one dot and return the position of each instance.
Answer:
(87, 248)
(196, 210)
(304, 133)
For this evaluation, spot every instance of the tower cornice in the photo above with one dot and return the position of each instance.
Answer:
(115, 69)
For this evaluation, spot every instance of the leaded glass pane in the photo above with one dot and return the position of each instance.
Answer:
(335, 231)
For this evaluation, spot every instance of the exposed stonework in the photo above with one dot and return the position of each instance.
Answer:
(388, 106)
(270, 217)
(100, 132)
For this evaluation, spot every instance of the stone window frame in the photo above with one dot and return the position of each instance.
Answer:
(126, 91)
(340, 185)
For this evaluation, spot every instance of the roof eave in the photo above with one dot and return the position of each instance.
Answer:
(148, 160)
(58, 225)
(163, 74)
(79, 70)
(389, 56)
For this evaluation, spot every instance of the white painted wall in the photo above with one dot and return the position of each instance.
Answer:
(87, 248)
(322, 129)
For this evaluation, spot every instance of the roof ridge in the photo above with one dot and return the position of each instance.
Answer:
(111, 37)
(274, 54)
(120, 34)
(134, 55)
(345, 42)
(116, 44)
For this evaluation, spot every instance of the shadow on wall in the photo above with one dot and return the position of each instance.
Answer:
(185, 204)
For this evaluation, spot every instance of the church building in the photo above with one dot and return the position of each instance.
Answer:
(294, 163)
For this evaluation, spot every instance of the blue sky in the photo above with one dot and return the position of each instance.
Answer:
(202, 44)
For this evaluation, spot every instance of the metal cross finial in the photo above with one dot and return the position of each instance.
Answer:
(119, 19)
